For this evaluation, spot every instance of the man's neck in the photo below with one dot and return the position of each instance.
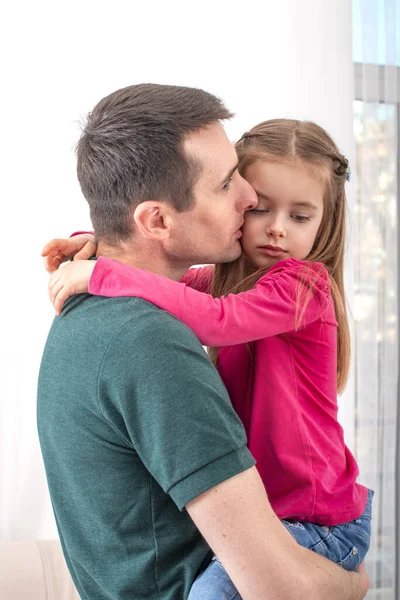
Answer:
(143, 259)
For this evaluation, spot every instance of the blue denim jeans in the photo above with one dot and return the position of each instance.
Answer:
(346, 545)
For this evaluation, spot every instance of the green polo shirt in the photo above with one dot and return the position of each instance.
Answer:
(134, 422)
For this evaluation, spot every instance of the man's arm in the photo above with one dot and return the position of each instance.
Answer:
(261, 557)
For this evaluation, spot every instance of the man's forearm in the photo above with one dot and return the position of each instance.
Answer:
(328, 581)
(261, 557)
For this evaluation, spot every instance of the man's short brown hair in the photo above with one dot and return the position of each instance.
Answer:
(131, 150)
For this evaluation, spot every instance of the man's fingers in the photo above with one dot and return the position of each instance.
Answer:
(361, 568)
(364, 577)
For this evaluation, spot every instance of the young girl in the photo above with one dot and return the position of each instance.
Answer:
(277, 326)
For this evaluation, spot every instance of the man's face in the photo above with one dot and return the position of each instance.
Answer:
(210, 231)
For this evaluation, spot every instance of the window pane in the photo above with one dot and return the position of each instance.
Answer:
(376, 32)
(375, 313)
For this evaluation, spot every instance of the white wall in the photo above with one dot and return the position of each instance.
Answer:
(264, 58)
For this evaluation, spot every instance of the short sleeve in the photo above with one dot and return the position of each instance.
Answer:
(159, 388)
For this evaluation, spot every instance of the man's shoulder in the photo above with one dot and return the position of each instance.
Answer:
(113, 313)
(157, 330)
(143, 318)
(125, 323)
(118, 326)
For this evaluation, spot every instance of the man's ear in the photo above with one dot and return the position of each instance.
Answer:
(154, 219)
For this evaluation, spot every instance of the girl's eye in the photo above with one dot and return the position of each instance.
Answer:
(301, 218)
(258, 211)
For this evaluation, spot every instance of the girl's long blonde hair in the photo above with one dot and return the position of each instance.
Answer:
(280, 140)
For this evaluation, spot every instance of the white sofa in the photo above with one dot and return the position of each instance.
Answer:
(34, 570)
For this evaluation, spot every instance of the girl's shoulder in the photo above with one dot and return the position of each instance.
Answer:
(292, 272)
(299, 266)
(199, 278)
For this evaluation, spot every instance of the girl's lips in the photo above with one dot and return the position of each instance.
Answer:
(273, 251)
(271, 247)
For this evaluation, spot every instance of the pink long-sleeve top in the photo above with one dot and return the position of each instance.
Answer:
(281, 377)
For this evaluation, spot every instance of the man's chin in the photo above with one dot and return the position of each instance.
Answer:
(223, 256)
(232, 255)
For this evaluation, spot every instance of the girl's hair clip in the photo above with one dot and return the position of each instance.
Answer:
(348, 174)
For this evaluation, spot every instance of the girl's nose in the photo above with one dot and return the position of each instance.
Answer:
(276, 229)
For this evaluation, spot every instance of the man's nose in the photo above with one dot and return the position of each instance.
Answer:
(248, 197)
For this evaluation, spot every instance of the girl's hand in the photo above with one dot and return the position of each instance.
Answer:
(69, 280)
(81, 247)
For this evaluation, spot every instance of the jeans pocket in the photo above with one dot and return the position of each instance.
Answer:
(355, 540)
(359, 530)
(352, 560)
(294, 524)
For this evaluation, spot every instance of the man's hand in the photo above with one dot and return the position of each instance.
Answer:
(71, 279)
(81, 247)
(364, 578)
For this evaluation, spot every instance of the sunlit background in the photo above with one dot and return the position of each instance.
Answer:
(376, 51)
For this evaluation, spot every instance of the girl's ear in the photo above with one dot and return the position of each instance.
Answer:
(154, 219)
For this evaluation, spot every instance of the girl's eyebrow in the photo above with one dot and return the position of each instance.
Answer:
(263, 196)
(305, 205)
(300, 204)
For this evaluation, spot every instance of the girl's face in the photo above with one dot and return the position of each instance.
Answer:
(288, 215)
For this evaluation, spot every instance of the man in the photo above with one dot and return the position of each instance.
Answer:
(142, 448)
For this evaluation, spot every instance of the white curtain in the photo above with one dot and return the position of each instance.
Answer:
(376, 124)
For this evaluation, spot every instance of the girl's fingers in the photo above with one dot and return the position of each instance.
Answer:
(62, 295)
(52, 246)
(55, 290)
(53, 280)
(59, 250)
(52, 261)
(87, 251)
(69, 280)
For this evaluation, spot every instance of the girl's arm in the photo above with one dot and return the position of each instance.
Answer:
(270, 308)
(199, 278)
(81, 245)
